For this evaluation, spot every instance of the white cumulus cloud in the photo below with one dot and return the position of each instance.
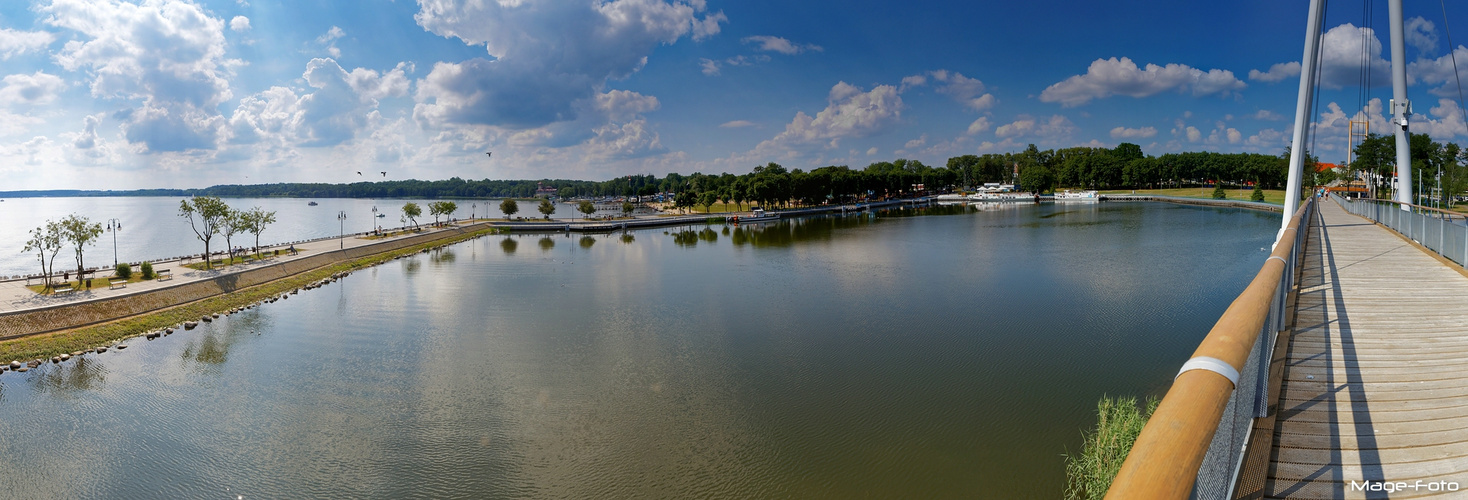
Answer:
(781, 45)
(979, 125)
(164, 57)
(1277, 73)
(547, 56)
(1133, 133)
(850, 112)
(240, 24)
(1108, 77)
(13, 42)
(30, 89)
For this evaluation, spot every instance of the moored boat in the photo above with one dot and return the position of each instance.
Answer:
(1069, 195)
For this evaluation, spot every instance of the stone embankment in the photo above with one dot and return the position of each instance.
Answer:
(73, 315)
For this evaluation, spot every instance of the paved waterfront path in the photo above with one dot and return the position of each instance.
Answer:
(1375, 384)
(14, 297)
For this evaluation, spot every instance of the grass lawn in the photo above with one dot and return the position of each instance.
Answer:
(1275, 196)
(238, 259)
(79, 285)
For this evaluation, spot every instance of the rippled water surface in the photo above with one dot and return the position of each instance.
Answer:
(957, 354)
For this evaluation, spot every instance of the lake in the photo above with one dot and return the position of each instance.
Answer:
(152, 229)
(938, 353)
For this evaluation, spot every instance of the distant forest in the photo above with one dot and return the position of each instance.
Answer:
(1122, 167)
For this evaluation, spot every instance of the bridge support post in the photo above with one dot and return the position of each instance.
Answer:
(1311, 61)
(1401, 107)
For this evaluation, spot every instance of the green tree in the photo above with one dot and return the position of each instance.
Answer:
(586, 208)
(509, 207)
(80, 232)
(1037, 179)
(256, 220)
(46, 239)
(546, 208)
(1258, 194)
(411, 212)
(707, 199)
(211, 213)
(627, 208)
(234, 223)
(1218, 192)
(441, 208)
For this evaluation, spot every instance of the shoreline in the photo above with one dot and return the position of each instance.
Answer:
(72, 326)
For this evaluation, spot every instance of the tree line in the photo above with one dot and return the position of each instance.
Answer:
(1377, 155)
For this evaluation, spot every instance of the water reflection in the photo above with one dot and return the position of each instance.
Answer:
(628, 238)
(708, 235)
(686, 238)
(509, 245)
(80, 374)
(441, 256)
(546, 243)
(587, 241)
(411, 265)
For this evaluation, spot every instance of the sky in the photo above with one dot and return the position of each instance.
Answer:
(114, 94)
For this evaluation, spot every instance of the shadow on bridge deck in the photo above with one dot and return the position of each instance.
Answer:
(1375, 378)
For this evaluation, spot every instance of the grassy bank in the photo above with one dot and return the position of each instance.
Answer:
(1118, 422)
(50, 344)
(1275, 196)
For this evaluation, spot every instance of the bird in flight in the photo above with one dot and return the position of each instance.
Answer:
(359, 172)
(490, 154)
(384, 174)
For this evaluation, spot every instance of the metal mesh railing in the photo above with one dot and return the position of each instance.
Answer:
(1443, 232)
(1250, 399)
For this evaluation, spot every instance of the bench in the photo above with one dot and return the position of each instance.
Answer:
(60, 289)
(115, 282)
(164, 274)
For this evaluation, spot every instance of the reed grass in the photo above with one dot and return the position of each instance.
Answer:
(1118, 422)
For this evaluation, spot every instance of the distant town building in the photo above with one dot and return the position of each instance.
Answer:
(541, 190)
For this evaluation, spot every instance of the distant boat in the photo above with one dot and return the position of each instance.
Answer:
(1075, 196)
(382, 215)
(756, 215)
(312, 204)
(1002, 197)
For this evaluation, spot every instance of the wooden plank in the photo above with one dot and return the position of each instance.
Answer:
(1376, 374)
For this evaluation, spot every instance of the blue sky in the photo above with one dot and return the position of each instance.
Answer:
(100, 94)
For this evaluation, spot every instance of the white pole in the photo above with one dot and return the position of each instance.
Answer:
(1310, 62)
(1400, 106)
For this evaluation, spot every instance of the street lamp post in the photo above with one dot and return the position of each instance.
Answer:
(341, 220)
(473, 209)
(374, 218)
(114, 225)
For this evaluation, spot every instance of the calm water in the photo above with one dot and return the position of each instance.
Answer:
(868, 357)
(152, 229)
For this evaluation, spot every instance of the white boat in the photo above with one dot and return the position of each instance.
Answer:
(949, 197)
(1069, 196)
(1002, 197)
(755, 215)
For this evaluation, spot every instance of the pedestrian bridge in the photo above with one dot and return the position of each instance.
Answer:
(1340, 372)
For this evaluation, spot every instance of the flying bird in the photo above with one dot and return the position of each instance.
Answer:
(384, 174)
(490, 154)
(359, 172)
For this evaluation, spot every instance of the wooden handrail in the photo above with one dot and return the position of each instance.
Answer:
(1164, 460)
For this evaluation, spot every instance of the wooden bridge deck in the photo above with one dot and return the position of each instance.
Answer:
(1375, 377)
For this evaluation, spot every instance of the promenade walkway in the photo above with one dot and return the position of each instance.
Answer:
(1375, 378)
(14, 297)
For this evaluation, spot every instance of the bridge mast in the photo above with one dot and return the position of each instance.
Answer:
(1401, 107)
(1310, 62)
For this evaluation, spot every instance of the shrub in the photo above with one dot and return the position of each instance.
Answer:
(148, 270)
(1219, 193)
(1258, 194)
(124, 271)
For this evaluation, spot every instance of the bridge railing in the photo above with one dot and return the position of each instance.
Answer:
(1193, 445)
(1441, 231)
